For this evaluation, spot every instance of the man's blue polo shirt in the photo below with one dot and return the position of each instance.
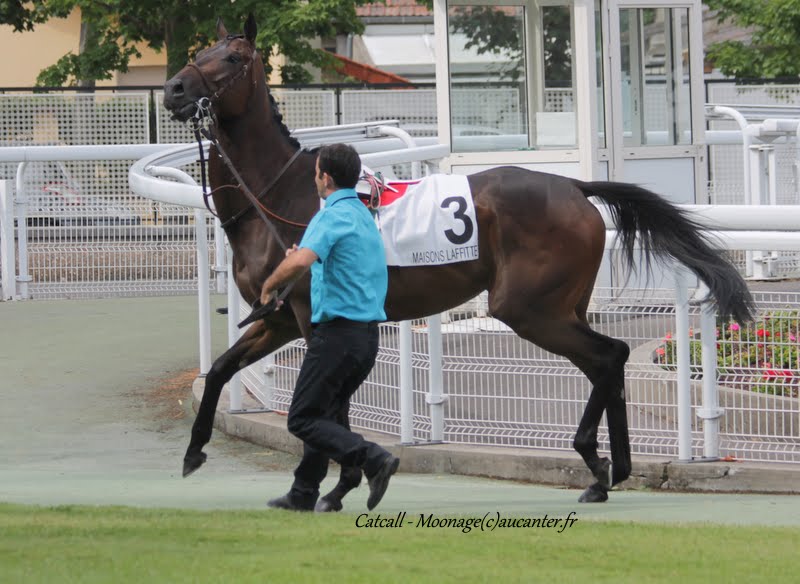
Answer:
(350, 278)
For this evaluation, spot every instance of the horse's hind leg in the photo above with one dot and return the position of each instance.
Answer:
(608, 393)
(602, 360)
(256, 342)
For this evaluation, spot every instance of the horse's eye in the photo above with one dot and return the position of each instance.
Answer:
(234, 58)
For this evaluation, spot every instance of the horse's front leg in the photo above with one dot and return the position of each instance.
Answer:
(258, 341)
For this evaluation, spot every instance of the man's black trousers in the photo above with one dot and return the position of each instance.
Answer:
(340, 356)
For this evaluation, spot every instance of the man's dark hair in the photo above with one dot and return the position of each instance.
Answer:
(342, 163)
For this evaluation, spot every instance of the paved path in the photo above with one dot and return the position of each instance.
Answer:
(80, 423)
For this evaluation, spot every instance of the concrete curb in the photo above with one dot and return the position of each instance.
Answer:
(521, 464)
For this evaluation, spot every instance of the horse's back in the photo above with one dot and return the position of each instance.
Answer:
(527, 202)
(546, 238)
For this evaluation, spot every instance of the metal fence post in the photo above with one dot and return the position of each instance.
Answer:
(436, 397)
(758, 184)
(21, 212)
(235, 384)
(338, 104)
(710, 413)
(682, 354)
(220, 264)
(7, 241)
(203, 290)
(406, 385)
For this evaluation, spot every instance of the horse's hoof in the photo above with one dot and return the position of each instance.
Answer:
(604, 474)
(326, 505)
(594, 494)
(191, 462)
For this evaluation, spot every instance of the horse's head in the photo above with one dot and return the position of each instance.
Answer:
(224, 74)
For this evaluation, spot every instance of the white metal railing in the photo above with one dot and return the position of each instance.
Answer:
(153, 254)
(16, 286)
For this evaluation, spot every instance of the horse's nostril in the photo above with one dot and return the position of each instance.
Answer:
(174, 88)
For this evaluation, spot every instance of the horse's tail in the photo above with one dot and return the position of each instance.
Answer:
(665, 231)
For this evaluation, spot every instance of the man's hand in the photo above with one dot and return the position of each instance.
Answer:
(294, 265)
(268, 296)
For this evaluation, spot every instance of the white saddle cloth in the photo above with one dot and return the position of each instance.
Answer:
(428, 222)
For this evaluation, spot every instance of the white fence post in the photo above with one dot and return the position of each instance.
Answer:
(220, 265)
(710, 412)
(235, 384)
(21, 211)
(406, 385)
(7, 241)
(682, 358)
(762, 176)
(203, 290)
(436, 397)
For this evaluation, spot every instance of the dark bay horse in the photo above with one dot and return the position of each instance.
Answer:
(540, 244)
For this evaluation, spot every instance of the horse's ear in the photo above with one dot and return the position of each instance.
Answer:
(250, 29)
(222, 32)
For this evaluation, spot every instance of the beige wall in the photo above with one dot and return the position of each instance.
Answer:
(41, 47)
(49, 41)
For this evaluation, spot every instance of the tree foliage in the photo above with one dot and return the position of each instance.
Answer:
(112, 28)
(22, 15)
(774, 47)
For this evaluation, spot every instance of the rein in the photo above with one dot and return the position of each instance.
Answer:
(201, 124)
(259, 311)
(263, 193)
(254, 202)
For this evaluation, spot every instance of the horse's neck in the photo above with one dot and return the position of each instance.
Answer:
(259, 150)
(256, 148)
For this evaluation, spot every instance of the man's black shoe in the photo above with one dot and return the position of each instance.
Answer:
(289, 503)
(380, 481)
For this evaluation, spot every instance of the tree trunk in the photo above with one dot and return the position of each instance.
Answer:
(88, 40)
(178, 35)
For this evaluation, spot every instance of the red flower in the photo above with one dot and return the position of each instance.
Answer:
(776, 373)
(762, 333)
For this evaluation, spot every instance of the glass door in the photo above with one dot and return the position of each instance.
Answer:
(656, 97)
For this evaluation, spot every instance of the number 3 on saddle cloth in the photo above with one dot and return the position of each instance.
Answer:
(430, 221)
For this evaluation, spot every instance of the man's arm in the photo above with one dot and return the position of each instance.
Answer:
(297, 262)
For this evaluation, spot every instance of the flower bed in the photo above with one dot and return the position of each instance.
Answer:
(764, 355)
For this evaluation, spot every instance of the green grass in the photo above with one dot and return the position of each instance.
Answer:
(118, 545)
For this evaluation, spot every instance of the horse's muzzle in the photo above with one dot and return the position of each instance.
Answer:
(177, 101)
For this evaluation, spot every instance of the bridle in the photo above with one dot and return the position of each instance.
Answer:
(202, 125)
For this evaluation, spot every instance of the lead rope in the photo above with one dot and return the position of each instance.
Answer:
(201, 125)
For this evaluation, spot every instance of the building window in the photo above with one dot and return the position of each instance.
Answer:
(656, 97)
(511, 76)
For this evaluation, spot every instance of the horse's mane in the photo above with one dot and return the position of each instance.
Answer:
(278, 117)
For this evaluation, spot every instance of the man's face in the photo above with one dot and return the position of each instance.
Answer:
(319, 179)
